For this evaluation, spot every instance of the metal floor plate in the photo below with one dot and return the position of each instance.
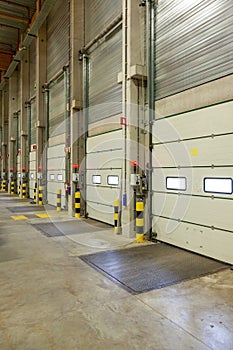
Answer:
(142, 269)
(48, 229)
(25, 209)
(71, 227)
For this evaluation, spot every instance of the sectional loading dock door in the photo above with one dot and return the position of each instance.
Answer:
(104, 163)
(32, 153)
(56, 156)
(192, 181)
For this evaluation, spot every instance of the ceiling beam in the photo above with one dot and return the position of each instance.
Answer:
(14, 18)
(19, 5)
(31, 33)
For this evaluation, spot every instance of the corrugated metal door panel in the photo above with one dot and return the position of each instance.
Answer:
(186, 216)
(194, 178)
(202, 240)
(203, 124)
(100, 143)
(175, 206)
(193, 44)
(53, 152)
(32, 67)
(97, 158)
(98, 15)
(105, 94)
(203, 152)
(58, 24)
(100, 199)
(33, 121)
(104, 160)
(57, 108)
(102, 194)
(56, 174)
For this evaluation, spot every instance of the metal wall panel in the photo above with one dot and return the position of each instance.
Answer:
(58, 24)
(98, 15)
(104, 158)
(193, 44)
(105, 94)
(195, 145)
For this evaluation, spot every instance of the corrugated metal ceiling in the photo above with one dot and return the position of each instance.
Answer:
(15, 17)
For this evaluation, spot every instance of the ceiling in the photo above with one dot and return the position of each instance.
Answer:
(15, 17)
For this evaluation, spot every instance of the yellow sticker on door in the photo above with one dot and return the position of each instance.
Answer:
(194, 152)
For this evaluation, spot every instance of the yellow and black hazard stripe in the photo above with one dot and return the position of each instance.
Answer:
(59, 200)
(116, 215)
(140, 221)
(40, 195)
(12, 188)
(34, 193)
(4, 185)
(77, 204)
(24, 190)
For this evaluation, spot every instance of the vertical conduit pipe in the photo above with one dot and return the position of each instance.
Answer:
(67, 119)
(46, 91)
(125, 68)
(29, 120)
(1, 141)
(16, 116)
(85, 123)
(151, 99)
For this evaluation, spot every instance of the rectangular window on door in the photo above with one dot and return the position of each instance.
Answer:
(218, 185)
(59, 177)
(96, 179)
(113, 180)
(176, 183)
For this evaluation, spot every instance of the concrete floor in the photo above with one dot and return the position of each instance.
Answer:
(51, 300)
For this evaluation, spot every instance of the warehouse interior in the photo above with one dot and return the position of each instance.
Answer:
(116, 174)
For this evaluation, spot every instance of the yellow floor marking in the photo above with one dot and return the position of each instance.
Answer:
(19, 217)
(44, 215)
